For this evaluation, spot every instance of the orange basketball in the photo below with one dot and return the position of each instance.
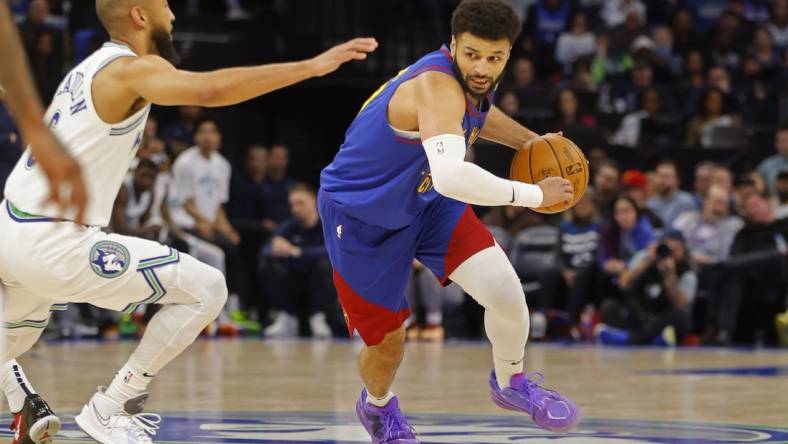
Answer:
(547, 156)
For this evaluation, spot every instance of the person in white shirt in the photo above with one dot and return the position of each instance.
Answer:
(578, 41)
(200, 189)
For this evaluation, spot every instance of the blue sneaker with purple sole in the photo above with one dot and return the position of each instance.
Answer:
(548, 409)
(386, 425)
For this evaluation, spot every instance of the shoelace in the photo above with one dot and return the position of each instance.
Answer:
(533, 383)
(396, 422)
(146, 424)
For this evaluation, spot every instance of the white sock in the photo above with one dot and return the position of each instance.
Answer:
(379, 402)
(435, 318)
(130, 381)
(505, 369)
(15, 385)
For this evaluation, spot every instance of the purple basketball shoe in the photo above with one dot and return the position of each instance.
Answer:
(386, 425)
(547, 408)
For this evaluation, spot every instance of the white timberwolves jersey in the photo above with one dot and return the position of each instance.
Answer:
(103, 151)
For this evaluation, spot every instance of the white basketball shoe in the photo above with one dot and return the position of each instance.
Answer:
(110, 422)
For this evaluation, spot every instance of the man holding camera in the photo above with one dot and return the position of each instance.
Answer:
(660, 287)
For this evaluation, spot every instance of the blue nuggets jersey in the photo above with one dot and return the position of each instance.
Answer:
(381, 176)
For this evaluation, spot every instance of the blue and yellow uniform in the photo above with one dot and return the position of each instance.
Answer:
(380, 211)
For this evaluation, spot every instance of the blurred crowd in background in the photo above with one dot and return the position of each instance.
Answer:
(680, 105)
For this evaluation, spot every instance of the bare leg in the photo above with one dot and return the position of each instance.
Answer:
(379, 363)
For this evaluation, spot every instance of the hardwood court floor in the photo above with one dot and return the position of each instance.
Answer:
(250, 391)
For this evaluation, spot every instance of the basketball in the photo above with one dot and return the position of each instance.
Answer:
(552, 155)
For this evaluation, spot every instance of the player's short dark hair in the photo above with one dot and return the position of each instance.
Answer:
(783, 126)
(487, 19)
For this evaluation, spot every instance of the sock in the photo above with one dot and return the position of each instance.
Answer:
(379, 402)
(505, 369)
(15, 385)
(130, 381)
(435, 318)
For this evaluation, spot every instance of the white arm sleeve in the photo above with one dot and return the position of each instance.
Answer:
(453, 177)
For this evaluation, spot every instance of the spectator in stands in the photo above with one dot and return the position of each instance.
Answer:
(276, 187)
(778, 23)
(578, 245)
(296, 268)
(713, 113)
(533, 94)
(628, 133)
(509, 103)
(781, 195)
(702, 182)
(133, 213)
(578, 41)
(424, 291)
(627, 233)
(709, 231)
(763, 49)
(634, 185)
(669, 201)
(755, 273)
(660, 288)
(46, 47)
(10, 143)
(247, 212)
(201, 178)
(685, 37)
(615, 12)
(664, 56)
(693, 82)
(180, 134)
(606, 187)
(576, 125)
(623, 97)
(770, 167)
(723, 177)
(547, 19)
(623, 36)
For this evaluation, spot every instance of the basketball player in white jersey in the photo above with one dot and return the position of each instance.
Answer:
(99, 113)
(22, 99)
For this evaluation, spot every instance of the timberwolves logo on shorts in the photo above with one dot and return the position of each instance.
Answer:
(109, 259)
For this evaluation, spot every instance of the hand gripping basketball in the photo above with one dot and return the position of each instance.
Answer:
(558, 166)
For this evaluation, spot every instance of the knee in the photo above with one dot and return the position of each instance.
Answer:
(506, 293)
(211, 291)
(392, 346)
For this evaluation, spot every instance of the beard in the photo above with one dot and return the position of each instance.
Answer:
(164, 47)
(465, 82)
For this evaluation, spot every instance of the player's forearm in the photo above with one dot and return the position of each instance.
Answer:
(21, 95)
(235, 85)
(466, 182)
(503, 129)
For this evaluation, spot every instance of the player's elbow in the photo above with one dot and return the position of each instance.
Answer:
(447, 182)
(209, 95)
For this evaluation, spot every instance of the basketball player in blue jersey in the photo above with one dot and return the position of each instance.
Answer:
(48, 260)
(399, 188)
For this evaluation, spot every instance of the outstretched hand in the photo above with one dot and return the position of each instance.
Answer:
(331, 60)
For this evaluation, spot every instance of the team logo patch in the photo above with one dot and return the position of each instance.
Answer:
(109, 259)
